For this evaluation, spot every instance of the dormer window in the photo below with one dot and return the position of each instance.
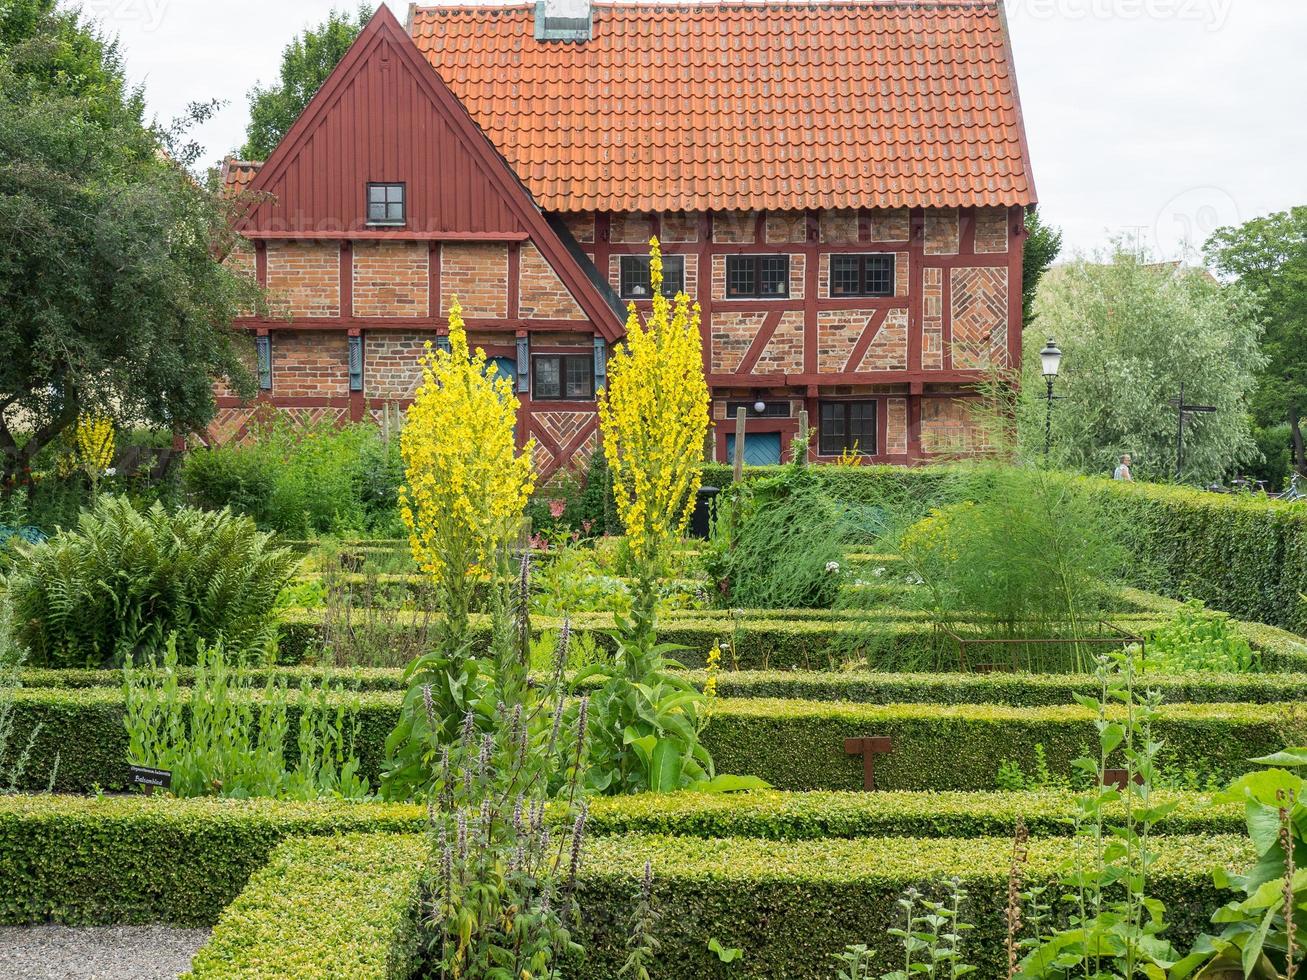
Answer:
(386, 205)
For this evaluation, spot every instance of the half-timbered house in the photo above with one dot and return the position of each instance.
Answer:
(841, 186)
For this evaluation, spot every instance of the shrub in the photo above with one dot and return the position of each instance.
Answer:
(779, 543)
(107, 860)
(302, 480)
(1199, 640)
(325, 907)
(125, 580)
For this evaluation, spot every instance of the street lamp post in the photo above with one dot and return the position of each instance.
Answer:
(1051, 359)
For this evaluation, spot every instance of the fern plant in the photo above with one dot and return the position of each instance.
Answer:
(124, 580)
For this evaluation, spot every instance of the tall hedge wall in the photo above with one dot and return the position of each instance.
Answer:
(792, 744)
(1245, 555)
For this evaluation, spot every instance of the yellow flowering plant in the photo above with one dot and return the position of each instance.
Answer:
(94, 440)
(465, 490)
(654, 417)
(465, 483)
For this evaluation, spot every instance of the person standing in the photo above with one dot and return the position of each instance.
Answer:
(1123, 471)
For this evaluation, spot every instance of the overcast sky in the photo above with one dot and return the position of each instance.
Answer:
(1156, 118)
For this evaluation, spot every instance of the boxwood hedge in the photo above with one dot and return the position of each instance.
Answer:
(1017, 690)
(89, 861)
(792, 744)
(888, 639)
(324, 907)
(1246, 555)
(790, 908)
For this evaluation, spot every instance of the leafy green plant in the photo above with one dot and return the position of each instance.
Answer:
(1198, 640)
(1262, 928)
(933, 935)
(124, 580)
(779, 543)
(15, 751)
(302, 479)
(855, 963)
(1116, 927)
(641, 944)
(222, 736)
(724, 954)
(1012, 778)
(504, 889)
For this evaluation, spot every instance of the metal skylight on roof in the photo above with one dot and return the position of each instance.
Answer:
(553, 27)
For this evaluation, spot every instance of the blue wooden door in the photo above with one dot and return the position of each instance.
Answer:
(760, 448)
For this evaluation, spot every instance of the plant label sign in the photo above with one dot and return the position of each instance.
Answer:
(151, 778)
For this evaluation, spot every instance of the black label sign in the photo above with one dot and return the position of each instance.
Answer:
(159, 778)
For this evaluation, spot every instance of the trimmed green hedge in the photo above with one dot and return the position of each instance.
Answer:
(327, 907)
(790, 908)
(1246, 555)
(894, 639)
(36, 824)
(342, 906)
(792, 744)
(1015, 690)
(819, 815)
(88, 861)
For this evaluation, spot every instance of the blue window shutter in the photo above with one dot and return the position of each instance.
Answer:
(443, 343)
(523, 365)
(601, 363)
(355, 363)
(263, 347)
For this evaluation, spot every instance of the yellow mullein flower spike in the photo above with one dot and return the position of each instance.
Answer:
(654, 416)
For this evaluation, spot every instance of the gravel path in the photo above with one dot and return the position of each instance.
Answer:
(114, 953)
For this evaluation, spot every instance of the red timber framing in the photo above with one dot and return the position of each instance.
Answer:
(922, 389)
(345, 291)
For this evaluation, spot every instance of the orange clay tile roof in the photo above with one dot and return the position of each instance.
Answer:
(237, 175)
(745, 105)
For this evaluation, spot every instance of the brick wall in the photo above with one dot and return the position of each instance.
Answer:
(948, 425)
(943, 232)
(541, 294)
(838, 332)
(784, 352)
(932, 330)
(631, 229)
(681, 226)
(787, 226)
(310, 363)
(304, 278)
(390, 362)
(732, 333)
(391, 279)
(991, 230)
(477, 273)
(896, 426)
(979, 317)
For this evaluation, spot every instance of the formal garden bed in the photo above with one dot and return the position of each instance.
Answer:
(778, 752)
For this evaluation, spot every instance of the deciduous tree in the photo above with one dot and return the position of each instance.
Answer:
(1133, 332)
(113, 298)
(1269, 256)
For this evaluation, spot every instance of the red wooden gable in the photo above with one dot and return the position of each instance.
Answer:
(385, 116)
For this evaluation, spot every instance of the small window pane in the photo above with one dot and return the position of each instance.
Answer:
(832, 428)
(673, 275)
(580, 375)
(547, 382)
(880, 275)
(775, 275)
(635, 277)
(848, 427)
(386, 204)
(845, 275)
(741, 275)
